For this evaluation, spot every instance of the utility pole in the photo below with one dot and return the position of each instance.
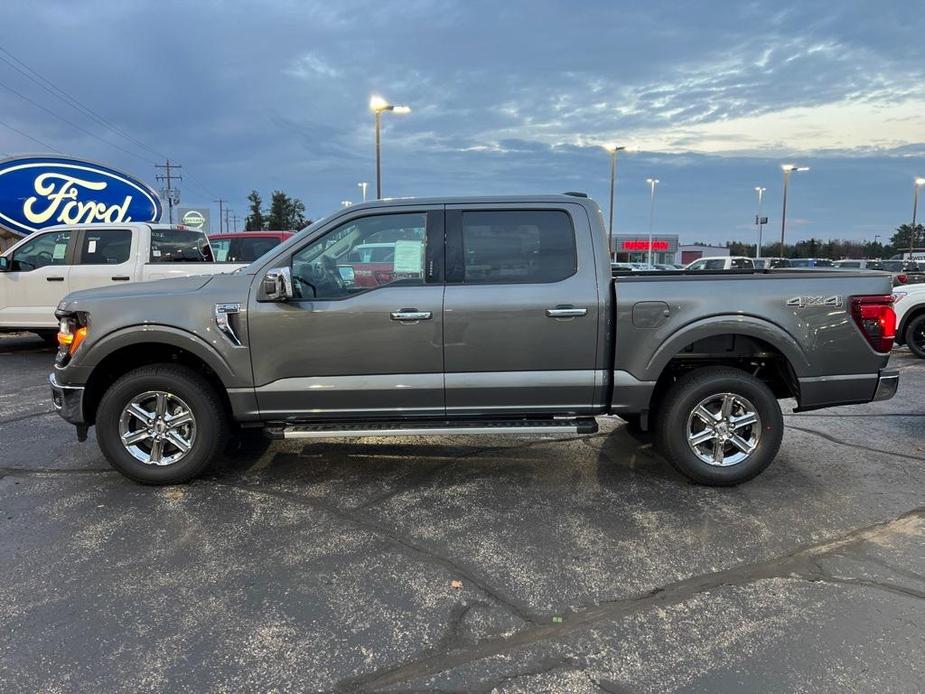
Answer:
(221, 223)
(172, 194)
(227, 219)
(234, 219)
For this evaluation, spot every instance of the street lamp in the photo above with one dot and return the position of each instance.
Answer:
(652, 183)
(787, 169)
(613, 149)
(919, 182)
(363, 184)
(378, 105)
(760, 191)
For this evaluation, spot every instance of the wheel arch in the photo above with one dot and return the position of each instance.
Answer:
(907, 318)
(122, 351)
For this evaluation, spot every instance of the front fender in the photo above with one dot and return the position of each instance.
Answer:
(78, 372)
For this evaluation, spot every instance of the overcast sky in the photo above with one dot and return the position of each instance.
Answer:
(507, 97)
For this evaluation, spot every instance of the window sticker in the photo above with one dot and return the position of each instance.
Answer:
(59, 252)
(409, 257)
(91, 247)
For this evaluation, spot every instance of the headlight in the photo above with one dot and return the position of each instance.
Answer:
(72, 331)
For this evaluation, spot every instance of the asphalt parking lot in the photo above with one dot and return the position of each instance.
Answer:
(579, 564)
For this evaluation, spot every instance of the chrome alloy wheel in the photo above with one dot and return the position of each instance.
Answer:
(723, 429)
(157, 428)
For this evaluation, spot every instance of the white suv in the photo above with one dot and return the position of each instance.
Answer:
(723, 262)
(909, 304)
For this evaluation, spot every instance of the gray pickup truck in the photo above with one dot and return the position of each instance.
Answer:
(481, 315)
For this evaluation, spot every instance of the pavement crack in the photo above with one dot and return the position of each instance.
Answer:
(858, 446)
(887, 586)
(55, 471)
(417, 549)
(31, 415)
(785, 566)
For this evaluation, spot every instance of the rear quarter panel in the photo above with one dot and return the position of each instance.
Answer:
(818, 340)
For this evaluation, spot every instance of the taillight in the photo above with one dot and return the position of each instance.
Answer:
(875, 317)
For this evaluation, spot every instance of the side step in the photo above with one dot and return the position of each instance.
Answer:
(584, 425)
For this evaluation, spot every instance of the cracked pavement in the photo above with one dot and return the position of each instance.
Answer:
(585, 564)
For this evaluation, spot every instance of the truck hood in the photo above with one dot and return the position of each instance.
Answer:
(173, 287)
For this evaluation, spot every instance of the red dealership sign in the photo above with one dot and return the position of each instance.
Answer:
(643, 245)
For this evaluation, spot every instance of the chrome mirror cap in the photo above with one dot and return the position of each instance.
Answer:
(277, 284)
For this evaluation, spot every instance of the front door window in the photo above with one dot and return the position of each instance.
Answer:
(361, 255)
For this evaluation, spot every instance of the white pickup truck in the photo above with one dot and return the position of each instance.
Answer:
(44, 267)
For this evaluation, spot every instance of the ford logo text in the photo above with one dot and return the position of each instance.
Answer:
(37, 192)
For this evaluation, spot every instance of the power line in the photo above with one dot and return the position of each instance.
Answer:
(72, 101)
(71, 123)
(27, 135)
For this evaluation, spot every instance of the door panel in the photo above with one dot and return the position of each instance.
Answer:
(507, 346)
(38, 281)
(347, 356)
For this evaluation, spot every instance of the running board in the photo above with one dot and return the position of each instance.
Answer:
(340, 430)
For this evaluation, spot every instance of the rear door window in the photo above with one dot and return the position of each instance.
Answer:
(518, 247)
(105, 247)
(179, 246)
(742, 264)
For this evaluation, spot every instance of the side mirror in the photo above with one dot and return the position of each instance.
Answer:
(5, 263)
(277, 284)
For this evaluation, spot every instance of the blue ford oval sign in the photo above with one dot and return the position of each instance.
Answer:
(37, 192)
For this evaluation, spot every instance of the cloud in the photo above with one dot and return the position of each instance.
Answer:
(506, 97)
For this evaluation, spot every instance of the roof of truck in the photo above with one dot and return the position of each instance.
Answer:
(477, 199)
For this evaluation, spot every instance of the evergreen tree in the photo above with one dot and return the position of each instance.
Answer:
(255, 220)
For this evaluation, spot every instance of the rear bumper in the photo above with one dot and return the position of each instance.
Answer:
(67, 401)
(855, 389)
(887, 384)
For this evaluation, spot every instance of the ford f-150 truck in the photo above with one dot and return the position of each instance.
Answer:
(44, 267)
(498, 315)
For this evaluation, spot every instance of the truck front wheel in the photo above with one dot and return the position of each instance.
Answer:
(719, 426)
(161, 424)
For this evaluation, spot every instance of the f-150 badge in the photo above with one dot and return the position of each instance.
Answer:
(804, 301)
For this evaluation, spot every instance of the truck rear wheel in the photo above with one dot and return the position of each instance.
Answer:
(161, 424)
(915, 336)
(719, 426)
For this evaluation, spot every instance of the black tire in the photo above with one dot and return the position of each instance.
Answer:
(49, 337)
(677, 418)
(915, 336)
(210, 420)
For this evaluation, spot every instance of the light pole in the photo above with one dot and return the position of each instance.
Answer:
(378, 105)
(919, 182)
(760, 192)
(363, 184)
(613, 149)
(787, 169)
(652, 183)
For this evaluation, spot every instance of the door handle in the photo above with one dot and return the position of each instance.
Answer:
(566, 312)
(121, 278)
(54, 279)
(410, 314)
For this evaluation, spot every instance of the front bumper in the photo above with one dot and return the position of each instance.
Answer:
(887, 384)
(68, 401)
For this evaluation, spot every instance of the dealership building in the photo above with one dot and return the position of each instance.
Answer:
(634, 248)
